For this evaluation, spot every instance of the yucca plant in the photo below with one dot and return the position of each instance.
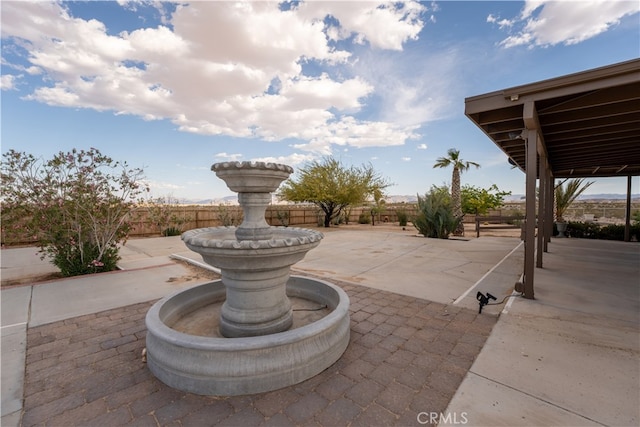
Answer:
(435, 217)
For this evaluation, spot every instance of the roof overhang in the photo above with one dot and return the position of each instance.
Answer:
(588, 122)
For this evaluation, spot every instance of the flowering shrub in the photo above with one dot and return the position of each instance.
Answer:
(76, 205)
(165, 213)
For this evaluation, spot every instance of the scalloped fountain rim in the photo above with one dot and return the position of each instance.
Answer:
(282, 237)
(216, 167)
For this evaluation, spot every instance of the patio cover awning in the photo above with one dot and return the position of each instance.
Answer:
(589, 121)
(580, 125)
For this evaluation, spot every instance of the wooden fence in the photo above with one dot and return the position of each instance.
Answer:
(197, 216)
(190, 217)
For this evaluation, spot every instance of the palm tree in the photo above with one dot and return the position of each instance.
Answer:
(459, 166)
(566, 195)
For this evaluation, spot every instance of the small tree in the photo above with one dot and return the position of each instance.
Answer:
(435, 217)
(377, 206)
(76, 205)
(332, 187)
(479, 201)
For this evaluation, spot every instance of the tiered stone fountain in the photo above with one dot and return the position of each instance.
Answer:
(257, 342)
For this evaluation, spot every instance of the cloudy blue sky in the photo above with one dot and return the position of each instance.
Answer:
(176, 87)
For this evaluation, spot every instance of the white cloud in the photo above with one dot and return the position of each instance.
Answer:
(291, 160)
(384, 25)
(422, 146)
(8, 82)
(406, 159)
(548, 23)
(502, 23)
(225, 68)
(228, 157)
(410, 98)
(159, 185)
(359, 134)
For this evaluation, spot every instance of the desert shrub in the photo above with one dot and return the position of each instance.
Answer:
(77, 206)
(403, 217)
(283, 217)
(435, 217)
(611, 232)
(364, 218)
(165, 213)
(229, 215)
(583, 230)
(72, 260)
(171, 231)
(590, 230)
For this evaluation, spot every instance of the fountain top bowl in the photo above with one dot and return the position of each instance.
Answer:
(252, 177)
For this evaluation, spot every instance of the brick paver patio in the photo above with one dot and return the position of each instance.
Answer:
(406, 356)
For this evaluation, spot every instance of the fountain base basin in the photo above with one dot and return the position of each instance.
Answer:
(209, 364)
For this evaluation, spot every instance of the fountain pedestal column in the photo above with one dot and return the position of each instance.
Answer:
(256, 304)
(254, 226)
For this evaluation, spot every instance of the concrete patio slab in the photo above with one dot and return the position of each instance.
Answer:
(508, 407)
(574, 351)
(15, 305)
(434, 269)
(92, 293)
(19, 265)
(570, 357)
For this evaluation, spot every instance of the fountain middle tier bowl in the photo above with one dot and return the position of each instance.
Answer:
(220, 248)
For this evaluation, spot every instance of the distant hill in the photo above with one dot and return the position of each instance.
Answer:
(520, 197)
(229, 200)
(233, 200)
(607, 197)
(584, 197)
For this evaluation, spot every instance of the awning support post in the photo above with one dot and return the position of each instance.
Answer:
(530, 213)
(627, 221)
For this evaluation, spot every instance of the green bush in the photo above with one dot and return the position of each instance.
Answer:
(76, 260)
(364, 218)
(229, 216)
(591, 230)
(166, 214)
(435, 217)
(583, 230)
(403, 217)
(283, 217)
(171, 231)
(612, 232)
